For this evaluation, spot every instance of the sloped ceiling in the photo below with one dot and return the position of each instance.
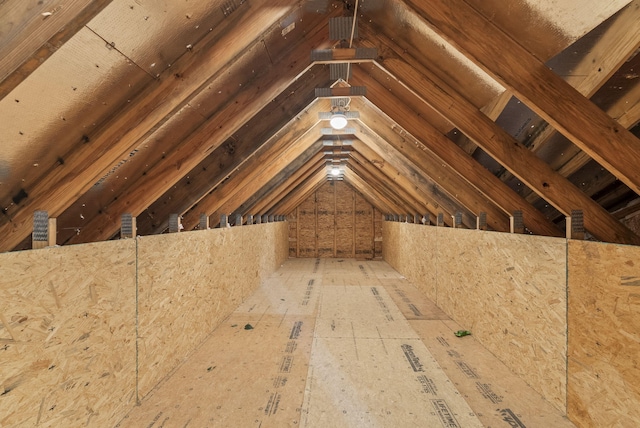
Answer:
(204, 106)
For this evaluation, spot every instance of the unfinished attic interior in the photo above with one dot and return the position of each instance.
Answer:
(189, 239)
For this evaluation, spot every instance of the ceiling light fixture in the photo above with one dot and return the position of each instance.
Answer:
(335, 172)
(338, 120)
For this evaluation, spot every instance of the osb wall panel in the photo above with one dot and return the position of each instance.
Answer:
(392, 235)
(344, 220)
(509, 290)
(604, 338)
(364, 228)
(274, 249)
(335, 221)
(326, 222)
(67, 335)
(189, 282)
(421, 264)
(306, 239)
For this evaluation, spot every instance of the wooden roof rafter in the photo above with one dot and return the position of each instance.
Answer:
(201, 108)
(533, 83)
(536, 174)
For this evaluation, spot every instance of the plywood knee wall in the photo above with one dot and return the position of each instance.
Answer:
(68, 335)
(68, 317)
(604, 334)
(510, 290)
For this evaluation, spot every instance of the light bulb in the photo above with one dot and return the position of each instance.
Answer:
(338, 121)
(335, 172)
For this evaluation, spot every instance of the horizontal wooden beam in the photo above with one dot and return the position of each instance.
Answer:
(341, 91)
(343, 55)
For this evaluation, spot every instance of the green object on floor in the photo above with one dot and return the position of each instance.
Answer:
(461, 333)
(248, 327)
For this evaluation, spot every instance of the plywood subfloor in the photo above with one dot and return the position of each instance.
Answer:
(341, 343)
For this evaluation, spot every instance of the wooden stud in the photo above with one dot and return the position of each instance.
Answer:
(128, 226)
(426, 219)
(238, 220)
(354, 217)
(53, 229)
(265, 218)
(250, 219)
(258, 219)
(440, 221)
